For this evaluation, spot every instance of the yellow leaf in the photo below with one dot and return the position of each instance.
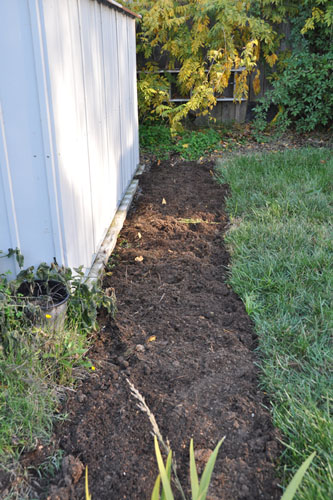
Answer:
(256, 83)
(152, 338)
(271, 59)
(185, 146)
(139, 258)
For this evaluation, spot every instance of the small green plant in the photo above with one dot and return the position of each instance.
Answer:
(18, 256)
(199, 488)
(84, 298)
(194, 145)
(297, 479)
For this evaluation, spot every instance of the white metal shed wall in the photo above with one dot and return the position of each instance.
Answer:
(68, 95)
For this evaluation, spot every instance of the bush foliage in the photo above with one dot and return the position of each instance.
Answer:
(206, 39)
(303, 92)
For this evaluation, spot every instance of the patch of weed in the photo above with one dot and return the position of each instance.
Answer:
(37, 363)
(156, 139)
(193, 145)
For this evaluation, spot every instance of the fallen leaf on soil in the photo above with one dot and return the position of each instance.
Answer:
(139, 236)
(163, 201)
(139, 259)
(152, 338)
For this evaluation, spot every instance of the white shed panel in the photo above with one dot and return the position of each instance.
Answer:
(68, 125)
(23, 150)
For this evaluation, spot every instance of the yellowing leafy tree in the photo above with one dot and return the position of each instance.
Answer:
(204, 39)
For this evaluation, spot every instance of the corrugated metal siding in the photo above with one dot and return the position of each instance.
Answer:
(21, 141)
(76, 120)
(90, 80)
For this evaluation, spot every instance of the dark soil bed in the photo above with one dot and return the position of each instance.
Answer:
(183, 338)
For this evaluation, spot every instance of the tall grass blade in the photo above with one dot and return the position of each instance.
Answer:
(296, 480)
(168, 471)
(88, 496)
(193, 473)
(164, 476)
(156, 491)
(207, 473)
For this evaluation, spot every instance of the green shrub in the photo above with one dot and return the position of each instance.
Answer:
(303, 93)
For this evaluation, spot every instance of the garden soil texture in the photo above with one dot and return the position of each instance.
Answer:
(183, 339)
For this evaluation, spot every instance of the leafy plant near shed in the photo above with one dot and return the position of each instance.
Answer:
(37, 363)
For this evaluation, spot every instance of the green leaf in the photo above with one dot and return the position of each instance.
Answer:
(296, 480)
(156, 491)
(168, 471)
(207, 473)
(164, 476)
(193, 473)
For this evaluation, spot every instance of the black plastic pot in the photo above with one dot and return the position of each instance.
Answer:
(48, 300)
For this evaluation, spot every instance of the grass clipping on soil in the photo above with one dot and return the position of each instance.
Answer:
(282, 269)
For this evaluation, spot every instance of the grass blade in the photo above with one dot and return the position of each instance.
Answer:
(164, 476)
(193, 473)
(156, 491)
(207, 473)
(88, 496)
(168, 471)
(296, 480)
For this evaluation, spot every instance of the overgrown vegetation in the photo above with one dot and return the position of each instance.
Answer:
(206, 39)
(193, 145)
(281, 247)
(189, 144)
(156, 139)
(37, 363)
(302, 84)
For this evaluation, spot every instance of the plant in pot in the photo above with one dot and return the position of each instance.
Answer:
(42, 296)
(45, 293)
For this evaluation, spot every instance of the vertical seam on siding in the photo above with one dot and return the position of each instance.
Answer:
(105, 91)
(45, 113)
(8, 188)
(119, 113)
(86, 122)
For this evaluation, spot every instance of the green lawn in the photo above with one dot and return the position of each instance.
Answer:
(281, 242)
